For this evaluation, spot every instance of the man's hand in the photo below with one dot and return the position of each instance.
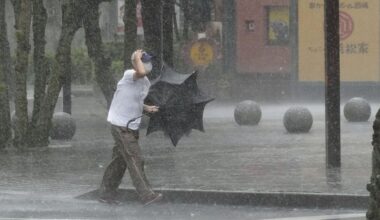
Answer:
(138, 65)
(138, 55)
(151, 108)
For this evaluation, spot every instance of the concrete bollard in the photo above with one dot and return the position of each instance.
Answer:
(357, 110)
(298, 120)
(63, 126)
(247, 113)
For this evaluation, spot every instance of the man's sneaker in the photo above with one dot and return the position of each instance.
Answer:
(152, 198)
(109, 198)
(110, 201)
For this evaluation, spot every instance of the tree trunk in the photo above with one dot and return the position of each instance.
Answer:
(96, 51)
(200, 12)
(151, 14)
(186, 14)
(218, 9)
(7, 59)
(168, 15)
(175, 23)
(41, 70)
(71, 18)
(66, 93)
(23, 19)
(5, 120)
(130, 31)
(66, 87)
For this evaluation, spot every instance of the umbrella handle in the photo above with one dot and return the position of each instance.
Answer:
(132, 120)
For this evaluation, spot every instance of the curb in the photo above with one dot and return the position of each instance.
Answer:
(280, 199)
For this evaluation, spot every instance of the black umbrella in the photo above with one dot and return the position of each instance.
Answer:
(181, 104)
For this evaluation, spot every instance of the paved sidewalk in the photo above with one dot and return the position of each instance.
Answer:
(253, 160)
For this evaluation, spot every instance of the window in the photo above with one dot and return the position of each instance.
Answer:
(278, 25)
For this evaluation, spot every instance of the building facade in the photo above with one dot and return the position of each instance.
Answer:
(265, 41)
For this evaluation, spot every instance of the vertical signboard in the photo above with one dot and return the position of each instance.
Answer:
(359, 40)
(120, 15)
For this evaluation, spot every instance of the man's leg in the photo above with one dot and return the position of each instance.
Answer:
(114, 172)
(133, 157)
(113, 175)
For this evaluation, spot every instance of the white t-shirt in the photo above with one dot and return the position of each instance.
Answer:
(128, 100)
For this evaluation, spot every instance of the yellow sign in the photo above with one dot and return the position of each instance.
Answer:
(202, 52)
(359, 40)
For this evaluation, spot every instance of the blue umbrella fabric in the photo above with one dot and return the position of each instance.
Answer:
(181, 104)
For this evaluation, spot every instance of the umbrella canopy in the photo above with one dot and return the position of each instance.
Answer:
(181, 104)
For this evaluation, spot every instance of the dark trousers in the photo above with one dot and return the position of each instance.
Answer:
(126, 154)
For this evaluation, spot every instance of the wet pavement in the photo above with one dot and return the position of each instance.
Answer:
(226, 158)
(20, 206)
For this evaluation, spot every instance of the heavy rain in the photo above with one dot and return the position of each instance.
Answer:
(190, 109)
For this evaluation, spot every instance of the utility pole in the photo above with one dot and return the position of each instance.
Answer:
(293, 33)
(332, 80)
(228, 35)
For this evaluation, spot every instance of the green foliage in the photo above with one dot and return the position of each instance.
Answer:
(115, 50)
(2, 88)
(82, 68)
(117, 69)
(50, 58)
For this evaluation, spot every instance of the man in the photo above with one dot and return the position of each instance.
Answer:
(125, 116)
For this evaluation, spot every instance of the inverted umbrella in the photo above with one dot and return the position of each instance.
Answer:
(181, 104)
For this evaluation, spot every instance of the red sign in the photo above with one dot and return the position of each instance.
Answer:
(121, 10)
(346, 25)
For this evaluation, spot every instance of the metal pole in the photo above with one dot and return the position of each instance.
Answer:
(332, 79)
(161, 34)
(228, 36)
(293, 33)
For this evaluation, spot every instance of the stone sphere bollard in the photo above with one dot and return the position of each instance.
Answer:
(63, 126)
(357, 110)
(298, 120)
(247, 113)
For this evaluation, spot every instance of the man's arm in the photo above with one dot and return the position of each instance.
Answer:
(138, 65)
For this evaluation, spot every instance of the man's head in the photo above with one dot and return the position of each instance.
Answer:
(146, 60)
